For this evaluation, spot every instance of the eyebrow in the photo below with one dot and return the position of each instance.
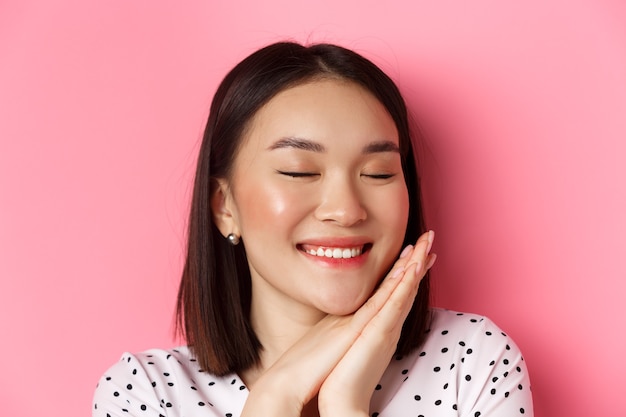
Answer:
(381, 146)
(309, 145)
(298, 143)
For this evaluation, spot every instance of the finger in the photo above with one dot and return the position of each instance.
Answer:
(298, 380)
(410, 255)
(421, 250)
(374, 347)
(431, 260)
(373, 305)
(391, 316)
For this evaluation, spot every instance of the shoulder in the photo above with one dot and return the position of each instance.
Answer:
(156, 359)
(463, 339)
(473, 344)
(160, 382)
(466, 364)
(153, 367)
(447, 324)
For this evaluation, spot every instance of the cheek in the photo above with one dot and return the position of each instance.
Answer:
(395, 210)
(394, 207)
(262, 205)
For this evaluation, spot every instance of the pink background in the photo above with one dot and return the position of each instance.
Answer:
(101, 109)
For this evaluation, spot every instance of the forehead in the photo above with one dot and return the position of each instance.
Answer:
(323, 110)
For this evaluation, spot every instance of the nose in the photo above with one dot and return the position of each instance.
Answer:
(341, 203)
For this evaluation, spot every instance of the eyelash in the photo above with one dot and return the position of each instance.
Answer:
(312, 174)
(380, 176)
(297, 174)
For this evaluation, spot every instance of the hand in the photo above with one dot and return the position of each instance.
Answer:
(348, 388)
(330, 358)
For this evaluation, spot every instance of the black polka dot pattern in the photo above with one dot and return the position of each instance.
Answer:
(467, 366)
(147, 384)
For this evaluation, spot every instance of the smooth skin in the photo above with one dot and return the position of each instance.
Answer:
(320, 167)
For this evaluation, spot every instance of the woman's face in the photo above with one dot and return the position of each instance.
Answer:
(318, 196)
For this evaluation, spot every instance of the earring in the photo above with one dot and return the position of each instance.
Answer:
(233, 239)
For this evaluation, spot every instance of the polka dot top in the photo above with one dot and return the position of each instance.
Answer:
(467, 367)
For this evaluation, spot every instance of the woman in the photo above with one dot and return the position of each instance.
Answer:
(305, 288)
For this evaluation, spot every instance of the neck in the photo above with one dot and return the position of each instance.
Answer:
(278, 328)
(278, 323)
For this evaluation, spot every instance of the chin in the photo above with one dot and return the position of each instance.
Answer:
(342, 300)
(341, 307)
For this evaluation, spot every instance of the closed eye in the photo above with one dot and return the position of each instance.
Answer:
(379, 176)
(295, 174)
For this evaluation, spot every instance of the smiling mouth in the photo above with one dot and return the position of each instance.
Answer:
(335, 253)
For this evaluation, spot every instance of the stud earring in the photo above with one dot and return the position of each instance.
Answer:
(233, 239)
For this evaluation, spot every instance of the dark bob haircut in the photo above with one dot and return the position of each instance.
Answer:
(213, 309)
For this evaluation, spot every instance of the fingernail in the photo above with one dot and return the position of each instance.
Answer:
(397, 272)
(431, 237)
(406, 251)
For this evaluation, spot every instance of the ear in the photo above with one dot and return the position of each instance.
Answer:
(222, 208)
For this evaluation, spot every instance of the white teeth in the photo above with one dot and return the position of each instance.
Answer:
(336, 253)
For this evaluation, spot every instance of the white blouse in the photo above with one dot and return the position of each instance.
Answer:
(466, 367)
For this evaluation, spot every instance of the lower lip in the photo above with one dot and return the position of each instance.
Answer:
(355, 262)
